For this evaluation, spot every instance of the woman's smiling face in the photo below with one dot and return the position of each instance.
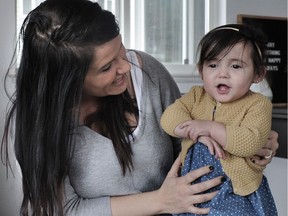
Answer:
(229, 76)
(107, 74)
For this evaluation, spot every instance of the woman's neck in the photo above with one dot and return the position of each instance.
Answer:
(87, 107)
(130, 86)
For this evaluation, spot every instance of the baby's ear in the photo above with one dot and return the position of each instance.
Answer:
(260, 76)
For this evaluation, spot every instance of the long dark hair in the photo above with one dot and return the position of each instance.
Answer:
(58, 39)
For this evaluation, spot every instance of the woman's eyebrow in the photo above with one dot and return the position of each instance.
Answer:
(117, 53)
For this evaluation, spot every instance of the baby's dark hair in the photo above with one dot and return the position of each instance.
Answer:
(224, 38)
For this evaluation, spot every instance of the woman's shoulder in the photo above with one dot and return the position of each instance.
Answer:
(155, 73)
(150, 64)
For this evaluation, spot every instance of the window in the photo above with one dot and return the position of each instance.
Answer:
(169, 30)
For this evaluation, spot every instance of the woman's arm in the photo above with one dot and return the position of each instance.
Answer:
(176, 195)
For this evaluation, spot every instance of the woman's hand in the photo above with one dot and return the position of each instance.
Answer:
(264, 155)
(178, 195)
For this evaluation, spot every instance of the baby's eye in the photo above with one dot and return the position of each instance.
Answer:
(236, 66)
(212, 65)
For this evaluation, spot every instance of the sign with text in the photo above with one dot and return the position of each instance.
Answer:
(275, 29)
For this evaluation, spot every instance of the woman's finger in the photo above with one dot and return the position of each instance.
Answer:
(206, 185)
(265, 153)
(264, 156)
(260, 160)
(201, 199)
(195, 174)
(272, 141)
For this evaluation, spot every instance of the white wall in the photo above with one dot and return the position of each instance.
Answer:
(276, 8)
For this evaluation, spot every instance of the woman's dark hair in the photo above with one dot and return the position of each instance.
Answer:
(58, 39)
(224, 38)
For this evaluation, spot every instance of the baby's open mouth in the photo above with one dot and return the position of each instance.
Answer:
(223, 87)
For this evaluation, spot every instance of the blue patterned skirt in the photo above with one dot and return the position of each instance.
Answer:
(259, 203)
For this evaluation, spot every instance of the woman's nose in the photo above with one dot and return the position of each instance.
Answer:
(124, 66)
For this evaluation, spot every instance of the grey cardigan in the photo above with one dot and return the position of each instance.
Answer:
(95, 173)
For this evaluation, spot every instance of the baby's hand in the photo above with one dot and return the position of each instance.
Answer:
(213, 146)
(193, 129)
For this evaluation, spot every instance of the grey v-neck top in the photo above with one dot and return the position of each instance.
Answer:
(95, 174)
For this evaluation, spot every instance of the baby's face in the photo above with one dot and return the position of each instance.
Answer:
(229, 76)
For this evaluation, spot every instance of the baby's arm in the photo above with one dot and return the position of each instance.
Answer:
(242, 139)
(195, 128)
(178, 112)
(209, 133)
(246, 139)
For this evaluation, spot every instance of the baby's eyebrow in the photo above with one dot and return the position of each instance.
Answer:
(237, 60)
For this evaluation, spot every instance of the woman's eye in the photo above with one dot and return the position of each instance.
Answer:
(106, 68)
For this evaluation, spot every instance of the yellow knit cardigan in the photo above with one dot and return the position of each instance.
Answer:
(247, 121)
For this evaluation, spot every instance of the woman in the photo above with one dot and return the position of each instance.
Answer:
(87, 134)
